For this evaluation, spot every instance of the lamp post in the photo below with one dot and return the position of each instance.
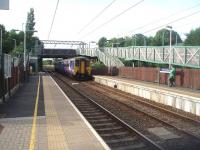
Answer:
(145, 42)
(163, 40)
(170, 45)
(1, 42)
(135, 39)
(25, 45)
(2, 65)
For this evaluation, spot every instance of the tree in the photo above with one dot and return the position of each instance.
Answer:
(139, 39)
(162, 37)
(120, 42)
(150, 41)
(102, 42)
(30, 23)
(193, 38)
(128, 41)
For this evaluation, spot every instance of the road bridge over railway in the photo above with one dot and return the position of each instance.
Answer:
(69, 50)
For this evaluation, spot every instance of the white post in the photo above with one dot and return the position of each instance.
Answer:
(170, 48)
(24, 50)
(1, 42)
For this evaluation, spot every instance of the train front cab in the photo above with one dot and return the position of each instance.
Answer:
(83, 69)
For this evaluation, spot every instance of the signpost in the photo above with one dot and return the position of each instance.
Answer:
(4, 4)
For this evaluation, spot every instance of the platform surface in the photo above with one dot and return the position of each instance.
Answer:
(178, 90)
(43, 118)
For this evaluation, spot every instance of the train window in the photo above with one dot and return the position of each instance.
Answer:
(77, 63)
(71, 64)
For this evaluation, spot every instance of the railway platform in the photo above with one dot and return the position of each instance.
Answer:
(181, 98)
(41, 117)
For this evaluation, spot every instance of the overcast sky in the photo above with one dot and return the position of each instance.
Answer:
(73, 15)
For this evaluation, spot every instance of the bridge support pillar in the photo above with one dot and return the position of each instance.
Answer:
(40, 64)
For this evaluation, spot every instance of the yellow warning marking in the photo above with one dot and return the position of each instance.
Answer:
(33, 131)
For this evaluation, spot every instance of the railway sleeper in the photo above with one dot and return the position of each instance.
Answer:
(89, 108)
(92, 114)
(115, 134)
(100, 121)
(89, 111)
(128, 139)
(83, 105)
(109, 129)
(126, 142)
(139, 146)
(104, 125)
(96, 117)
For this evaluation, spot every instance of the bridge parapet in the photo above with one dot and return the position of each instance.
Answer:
(58, 53)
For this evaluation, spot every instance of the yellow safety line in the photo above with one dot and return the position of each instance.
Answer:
(33, 131)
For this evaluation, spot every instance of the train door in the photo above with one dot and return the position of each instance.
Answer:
(82, 66)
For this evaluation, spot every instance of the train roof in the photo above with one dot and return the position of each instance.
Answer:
(78, 57)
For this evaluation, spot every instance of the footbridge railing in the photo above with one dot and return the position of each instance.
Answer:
(102, 55)
(188, 56)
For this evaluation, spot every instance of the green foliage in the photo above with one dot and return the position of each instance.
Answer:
(9, 37)
(193, 38)
(30, 23)
(162, 37)
(102, 42)
(47, 62)
(98, 65)
(139, 40)
(128, 41)
(127, 63)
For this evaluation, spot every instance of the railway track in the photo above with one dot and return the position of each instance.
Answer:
(142, 122)
(183, 123)
(116, 133)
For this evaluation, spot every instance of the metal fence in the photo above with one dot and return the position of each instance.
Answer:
(13, 75)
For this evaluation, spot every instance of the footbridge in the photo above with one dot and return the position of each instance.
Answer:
(187, 56)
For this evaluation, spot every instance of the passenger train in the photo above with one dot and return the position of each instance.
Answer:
(77, 67)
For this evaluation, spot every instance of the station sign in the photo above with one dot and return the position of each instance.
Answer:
(4, 4)
(164, 70)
